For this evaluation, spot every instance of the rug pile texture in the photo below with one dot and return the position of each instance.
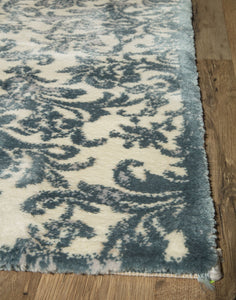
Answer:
(102, 160)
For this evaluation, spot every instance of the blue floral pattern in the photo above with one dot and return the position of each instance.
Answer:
(98, 155)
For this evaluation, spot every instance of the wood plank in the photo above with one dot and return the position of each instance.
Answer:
(209, 26)
(114, 287)
(18, 285)
(72, 286)
(229, 9)
(218, 86)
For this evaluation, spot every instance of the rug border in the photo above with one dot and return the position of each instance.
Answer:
(188, 44)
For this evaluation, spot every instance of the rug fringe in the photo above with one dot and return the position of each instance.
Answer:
(206, 281)
(213, 275)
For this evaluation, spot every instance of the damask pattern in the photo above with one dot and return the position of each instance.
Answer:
(102, 162)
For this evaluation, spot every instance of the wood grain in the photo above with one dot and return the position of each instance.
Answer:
(229, 9)
(217, 81)
(18, 285)
(215, 46)
(210, 30)
(21, 285)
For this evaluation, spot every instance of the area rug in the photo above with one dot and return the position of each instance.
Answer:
(103, 167)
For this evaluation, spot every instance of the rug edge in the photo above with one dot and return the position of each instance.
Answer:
(189, 45)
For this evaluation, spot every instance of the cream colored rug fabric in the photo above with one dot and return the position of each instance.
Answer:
(103, 167)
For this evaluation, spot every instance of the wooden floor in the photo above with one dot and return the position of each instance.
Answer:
(215, 30)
